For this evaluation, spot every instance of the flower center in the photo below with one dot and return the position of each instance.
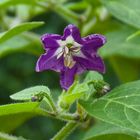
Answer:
(67, 52)
(69, 45)
(68, 49)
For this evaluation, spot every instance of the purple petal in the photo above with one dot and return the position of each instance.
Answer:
(72, 30)
(67, 77)
(92, 63)
(80, 68)
(50, 40)
(49, 61)
(92, 42)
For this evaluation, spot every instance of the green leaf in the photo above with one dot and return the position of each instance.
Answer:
(13, 115)
(94, 3)
(26, 13)
(126, 69)
(75, 92)
(76, 87)
(45, 105)
(27, 94)
(106, 131)
(113, 136)
(122, 53)
(117, 45)
(92, 76)
(7, 3)
(137, 33)
(4, 136)
(82, 5)
(29, 43)
(126, 11)
(120, 107)
(19, 29)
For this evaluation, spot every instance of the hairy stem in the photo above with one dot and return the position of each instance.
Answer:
(52, 103)
(65, 131)
(64, 116)
(69, 117)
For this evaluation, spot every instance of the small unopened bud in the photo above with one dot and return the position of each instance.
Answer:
(34, 98)
(101, 87)
(37, 97)
(105, 89)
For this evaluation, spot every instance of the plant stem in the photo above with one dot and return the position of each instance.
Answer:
(65, 131)
(66, 13)
(52, 103)
(61, 10)
(64, 116)
(69, 117)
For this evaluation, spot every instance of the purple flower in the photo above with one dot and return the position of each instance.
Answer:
(70, 54)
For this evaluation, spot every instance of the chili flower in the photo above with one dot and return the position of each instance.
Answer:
(70, 54)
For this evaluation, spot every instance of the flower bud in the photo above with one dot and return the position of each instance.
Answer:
(101, 87)
(105, 89)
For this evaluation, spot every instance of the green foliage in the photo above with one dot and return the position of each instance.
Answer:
(13, 115)
(19, 29)
(4, 136)
(137, 33)
(11, 42)
(106, 131)
(119, 107)
(96, 84)
(113, 136)
(126, 69)
(126, 11)
(118, 44)
(82, 5)
(67, 14)
(27, 94)
(92, 76)
(7, 3)
(123, 53)
(75, 92)
(37, 93)
(29, 43)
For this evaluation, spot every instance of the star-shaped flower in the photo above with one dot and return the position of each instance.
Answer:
(70, 54)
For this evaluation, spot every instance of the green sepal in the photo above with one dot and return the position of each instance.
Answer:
(45, 105)
(75, 92)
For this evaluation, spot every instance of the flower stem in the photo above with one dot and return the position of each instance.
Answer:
(66, 13)
(52, 103)
(65, 131)
(61, 10)
(69, 117)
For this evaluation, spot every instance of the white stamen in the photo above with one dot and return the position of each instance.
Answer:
(59, 52)
(68, 61)
(59, 55)
(66, 50)
(75, 49)
(72, 64)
